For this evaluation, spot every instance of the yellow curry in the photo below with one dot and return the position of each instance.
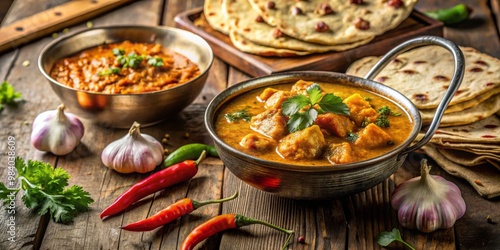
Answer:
(312, 123)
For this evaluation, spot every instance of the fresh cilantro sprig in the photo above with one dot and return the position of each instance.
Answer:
(386, 238)
(132, 60)
(303, 110)
(8, 95)
(45, 191)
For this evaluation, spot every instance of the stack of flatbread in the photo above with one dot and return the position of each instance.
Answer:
(293, 28)
(467, 142)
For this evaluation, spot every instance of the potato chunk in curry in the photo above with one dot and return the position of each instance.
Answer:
(304, 144)
(270, 123)
(372, 136)
(257, 143)
(361, 110)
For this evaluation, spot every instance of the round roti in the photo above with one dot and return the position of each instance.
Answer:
(261, 50)
(423, 75)
(215, 17)
(247, 23)
(466, 116)
(333, 21)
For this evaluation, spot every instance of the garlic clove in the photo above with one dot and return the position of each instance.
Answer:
(56, 131)
(428, 202)
(134, 152)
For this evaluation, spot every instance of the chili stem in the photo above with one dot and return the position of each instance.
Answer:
(201, 158)
(243, 221)
(197, 204)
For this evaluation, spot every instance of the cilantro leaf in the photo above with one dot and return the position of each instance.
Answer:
(118, 52)
(333, 104)
(302, 120)
(294, 104)
(155, 61)
(8, 95)
(6, 192)
(303, 111)
(386, 238)
(45, 191)
(314, 93)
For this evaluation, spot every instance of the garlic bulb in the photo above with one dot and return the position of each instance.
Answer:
(56, 131)
(428, 202)
(134, 152)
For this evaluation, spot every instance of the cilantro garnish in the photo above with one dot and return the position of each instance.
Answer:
(8, 95)
(132, 60)
(155, 61)
(238, 115)
(386, 238)
(383, 118)
(45, 191)
(110, 71)
(352, 137)
(303, 110)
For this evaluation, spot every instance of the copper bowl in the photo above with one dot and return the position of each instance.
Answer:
(328, 181)
(121, 110)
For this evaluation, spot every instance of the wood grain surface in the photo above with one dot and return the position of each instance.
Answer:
(352, 222)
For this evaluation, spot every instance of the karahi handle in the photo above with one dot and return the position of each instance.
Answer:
(458, 74)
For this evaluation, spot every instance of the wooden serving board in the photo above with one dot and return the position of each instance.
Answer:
(417, 24)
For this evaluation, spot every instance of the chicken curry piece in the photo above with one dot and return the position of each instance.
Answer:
(313, 124)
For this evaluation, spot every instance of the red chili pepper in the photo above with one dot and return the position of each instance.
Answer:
(172, 212)
(221, 223)
(160, 180)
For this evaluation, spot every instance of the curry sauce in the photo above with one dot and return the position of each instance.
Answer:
(255, 123)
(125, 68)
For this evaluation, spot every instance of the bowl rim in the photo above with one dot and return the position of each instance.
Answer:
(156, 29)
(231, 92)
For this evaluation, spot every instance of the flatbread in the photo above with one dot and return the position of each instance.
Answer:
(215, 17)
(467, 104)
(465, 158)
(261, 50)
(341, 22)
(423, 74)
(245, 21)
(484, 178)
(467, 116)
(486, 131)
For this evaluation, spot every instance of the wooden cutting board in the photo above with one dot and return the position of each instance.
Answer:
(53, 20)
(417, 24)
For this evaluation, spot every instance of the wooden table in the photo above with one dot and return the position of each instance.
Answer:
(349, 223)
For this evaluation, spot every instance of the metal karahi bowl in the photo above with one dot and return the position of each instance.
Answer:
(121, 110)
(328, 181)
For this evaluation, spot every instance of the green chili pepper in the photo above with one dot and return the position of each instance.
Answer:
(188, 152)
(455, 14)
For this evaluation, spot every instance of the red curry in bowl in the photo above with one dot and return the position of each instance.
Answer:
(125, 68)
(311, 123)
